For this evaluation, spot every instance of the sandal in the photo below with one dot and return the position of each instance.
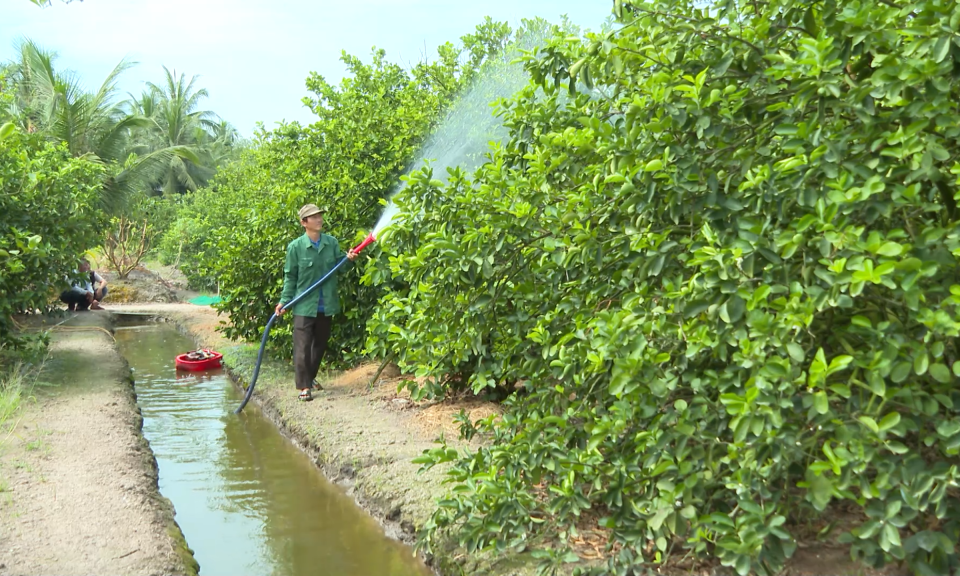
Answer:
(305, 395)
(316, 385)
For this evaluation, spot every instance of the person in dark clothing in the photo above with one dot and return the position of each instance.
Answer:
(309, 257)
(86, 293)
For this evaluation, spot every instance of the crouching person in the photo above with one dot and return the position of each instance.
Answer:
(86, 293)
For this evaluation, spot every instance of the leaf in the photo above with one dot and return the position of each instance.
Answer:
(6, 130)
(720, 68)
(575, 68)
(948, 428)
(920, 363)
(889, 537)
(890, 249)
(770, 255)
(795, 351)
(820, 402)
(941, 49)
(742, 564)
(889, 421)
(653, 165)
(810, 23)
(694, 308)
(585, 77)
(940, 373)
(839, 363)
(900, 372)
(735, 308)
(870, 423)
(819, 489)
(928, 540)
(657, 265)
(657, 519)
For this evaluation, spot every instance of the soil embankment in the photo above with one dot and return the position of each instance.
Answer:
(362, 437)
(79, 482)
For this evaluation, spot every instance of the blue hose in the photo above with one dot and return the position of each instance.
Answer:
(266, 331)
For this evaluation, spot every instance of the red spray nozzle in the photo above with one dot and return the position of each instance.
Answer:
(366, 242)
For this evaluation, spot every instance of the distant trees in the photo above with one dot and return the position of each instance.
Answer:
(158, 143)
(75, 164)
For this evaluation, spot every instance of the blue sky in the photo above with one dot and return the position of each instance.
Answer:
(254, 55)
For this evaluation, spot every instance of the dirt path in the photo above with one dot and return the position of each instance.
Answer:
(80, 491)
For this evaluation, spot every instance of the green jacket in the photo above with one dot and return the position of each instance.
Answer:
(304, 266)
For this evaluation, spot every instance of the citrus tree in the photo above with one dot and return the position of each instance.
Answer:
(368, 131)
(714, 274)
(48, 219)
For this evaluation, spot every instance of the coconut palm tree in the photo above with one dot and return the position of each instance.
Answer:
(175, 120)
(95, 125)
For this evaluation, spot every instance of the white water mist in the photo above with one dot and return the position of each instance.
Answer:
(470, 126)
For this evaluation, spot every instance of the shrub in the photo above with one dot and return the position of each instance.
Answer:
(367, 133)
(48, 220)
(718, 281)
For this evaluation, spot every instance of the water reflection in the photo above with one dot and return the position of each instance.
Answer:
(247, 501)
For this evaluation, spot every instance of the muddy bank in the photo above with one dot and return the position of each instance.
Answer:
(363, 438)
(79, 482)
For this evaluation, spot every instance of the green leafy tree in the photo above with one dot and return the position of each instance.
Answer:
(714, 271)
(55, 105)
(48, 219)
(367, 134)
(174, 121)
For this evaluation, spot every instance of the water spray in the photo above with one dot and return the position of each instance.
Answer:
(370, 239)
(461, 140)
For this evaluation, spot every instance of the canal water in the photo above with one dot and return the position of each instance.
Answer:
(246, 499)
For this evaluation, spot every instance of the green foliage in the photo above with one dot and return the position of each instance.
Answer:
(159, 211)
(155, 143)
(170, 119)
(183, 245)
(47, 221)
(128, 238)
(368, 131)
(18, 373)
(715, 269)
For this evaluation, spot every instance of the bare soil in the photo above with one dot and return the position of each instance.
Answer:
(79, 482)
(143, 285)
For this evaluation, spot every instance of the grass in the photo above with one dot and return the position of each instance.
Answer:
(19, 370)
(13, 384)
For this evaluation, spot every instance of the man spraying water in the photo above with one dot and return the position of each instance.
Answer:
(312, 261)
(309, 258)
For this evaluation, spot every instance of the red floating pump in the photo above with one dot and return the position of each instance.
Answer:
(199, 360)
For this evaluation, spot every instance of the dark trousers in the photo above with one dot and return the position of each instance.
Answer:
(75, 299)
(310, 337)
